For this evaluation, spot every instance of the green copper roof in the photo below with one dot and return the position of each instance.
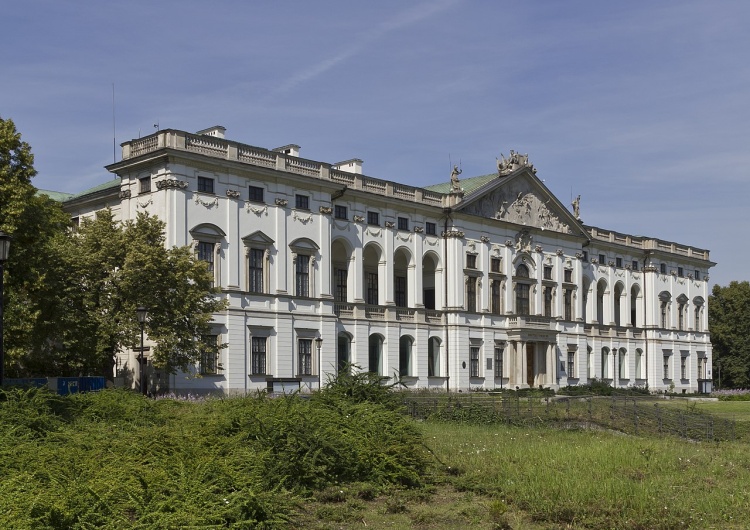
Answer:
(468, 185)
(57, 196)
(114, 183)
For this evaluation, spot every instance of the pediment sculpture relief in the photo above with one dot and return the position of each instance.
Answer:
(519, 205)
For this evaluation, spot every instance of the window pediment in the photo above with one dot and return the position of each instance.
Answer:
(304, 245)
(208, 232)
(257, 239)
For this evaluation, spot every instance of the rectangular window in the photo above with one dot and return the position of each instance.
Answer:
(495, 265)
(618, 262)
(403, 223)
(697, 319)
(205, 185)
(680, 272)
(697, 274)
(340, 278)
(602, 259)
(568, 276)
(471, 294)
(304, 352)
(683, 367)
(495, 299)
(547, 301)
(303, 275)
(568, 304)
(547, 273)
(255, 194)
(430, 228)
(256, 259)
(302, 202)
(206, 254)
(474, 362)
(471, 261)
(372, 288)
(522, 299)
(340, 212)
(400, 291)
(701, 367)
(373, 218)
(663, 268)
(571, 364)
(635, 265)
(209, 365)
(585, 256)
(144, 185)
(258, 366)
(666, 367)
(498, 361)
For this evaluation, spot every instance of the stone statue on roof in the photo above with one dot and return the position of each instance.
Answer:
(576, 204)
(455, 184)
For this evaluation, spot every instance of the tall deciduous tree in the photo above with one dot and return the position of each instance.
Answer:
(729, 321)
(114, 268)
(32, 288)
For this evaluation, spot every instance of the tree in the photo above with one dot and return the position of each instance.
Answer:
(729, 321)
(114, 268)
(31, 297)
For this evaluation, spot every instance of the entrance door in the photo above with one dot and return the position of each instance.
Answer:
(530, 353)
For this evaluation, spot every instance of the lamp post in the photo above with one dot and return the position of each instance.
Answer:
(141, 314)
(4, 248)
(319, 345)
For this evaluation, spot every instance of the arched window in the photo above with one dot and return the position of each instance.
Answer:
(343, 352)
(622, 364)
(340, 260)
(605, 363)
(404, 355)
(433, 357)
(401, 260)
(639, 363)
(523, 287)
(601, 288)
(371, 257)
(634, 295)
(617, 302)
(375, 354)
(429, 279)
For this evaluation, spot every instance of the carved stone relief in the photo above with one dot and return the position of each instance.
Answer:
(517, 203)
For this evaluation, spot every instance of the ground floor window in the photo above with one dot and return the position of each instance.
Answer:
(304, 352)
(498, 361)
(258, 346)
(474, 361)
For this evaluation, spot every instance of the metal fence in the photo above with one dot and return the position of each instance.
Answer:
(640, 415)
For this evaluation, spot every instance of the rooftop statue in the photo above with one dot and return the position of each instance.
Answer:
(455, 184)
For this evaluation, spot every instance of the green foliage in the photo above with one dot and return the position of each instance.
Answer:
(114, 459)
(32, 279)
(351, 384)
(729, 321)
(115, 268)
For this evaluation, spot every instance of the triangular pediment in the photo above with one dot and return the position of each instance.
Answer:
(521, 198)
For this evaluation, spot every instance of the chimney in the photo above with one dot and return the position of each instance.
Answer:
(217, 131)
(291, 150)
(352, 166)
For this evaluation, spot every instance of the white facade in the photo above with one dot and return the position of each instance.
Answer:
(486, 282)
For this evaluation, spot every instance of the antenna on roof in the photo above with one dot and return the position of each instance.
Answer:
(114, 134)
(156, 125)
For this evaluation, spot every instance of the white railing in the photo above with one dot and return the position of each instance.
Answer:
(206, 145)
(302, 166)
(258, 157)
(144, 145)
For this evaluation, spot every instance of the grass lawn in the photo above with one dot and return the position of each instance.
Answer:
(507, 477)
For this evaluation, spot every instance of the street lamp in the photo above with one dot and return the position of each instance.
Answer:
(4, 248)
(141, 314)
(319, 344)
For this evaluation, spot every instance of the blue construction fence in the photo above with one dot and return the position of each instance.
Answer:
(62, 385)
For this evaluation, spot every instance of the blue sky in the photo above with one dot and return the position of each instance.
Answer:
(641, 107)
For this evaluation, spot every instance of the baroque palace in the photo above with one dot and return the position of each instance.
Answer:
(479, 283)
